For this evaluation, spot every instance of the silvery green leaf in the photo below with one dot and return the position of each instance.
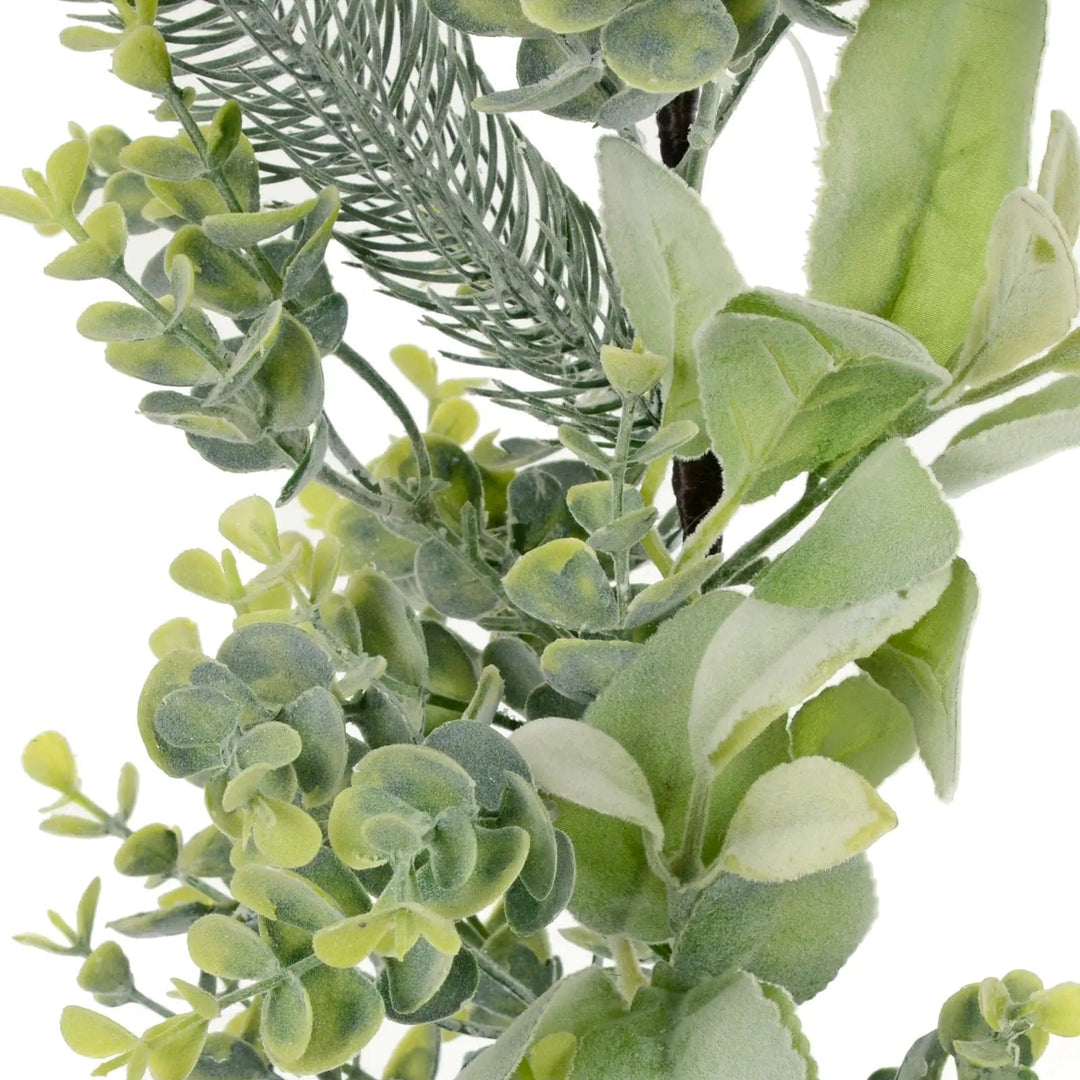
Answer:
(661, 598)
(885, 529)
(163, 360)
(581, 764)
(250, 356)
(573, 78)
(773, 656)
(453, 672)
(523, 807)
(410, 983)
(500, 17)
(114, 321)
(571, 16)
(162, 158)
(349, 998)
(629, 107)
(797, 934)
(483, 753)
(666, 441)
(858, 723)
(581, 669)
(1059, 177)
(247, 230)
(802, 817)
(326, 320)
(671, 264)
(625, 531)
(226, 947)
(921, 667)
(306, 259)
(224, 281)
(457, 988)
(283, 896)
(517, 664)
(309, 465)
(451, 583)
(528, 915)
(291, 378)
(815, 15)
(562, 582)
(225, 423)
(578, 443)
(286, 1021)
(1031, 294)
(592, 504)
(900, 231)
(1017, 435)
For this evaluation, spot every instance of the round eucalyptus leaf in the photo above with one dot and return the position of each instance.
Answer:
(388, 625)
(484, 754)
(272, 743)
(320, 767)
(284, 833)
(528, 915)
(286, 1021)
(147, 852)
(412, 982)
(283, 896)
(225, 1057)
(502, 18)
(196, 716)
(227, 948)
(522, 806)
(562, 582)
(278, 662)
(452, 849)
(457, 988)
(667, 46)
(572, 16)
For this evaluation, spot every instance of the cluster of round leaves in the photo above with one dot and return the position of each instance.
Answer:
(1000, 1027)
(615, 62)
(252, 397)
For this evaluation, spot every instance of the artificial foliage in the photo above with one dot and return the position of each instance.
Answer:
(495, 684)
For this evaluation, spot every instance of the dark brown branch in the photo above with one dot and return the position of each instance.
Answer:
(698, 483)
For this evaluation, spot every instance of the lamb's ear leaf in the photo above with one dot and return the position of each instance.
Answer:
(730, 1022)
(1015, 436)
(921, 667)
(797, 934)
(671, 263)
(858, 723)
(808, 815)
(1031, 294)
(1059, 178)
(900, 232)
(583, 765)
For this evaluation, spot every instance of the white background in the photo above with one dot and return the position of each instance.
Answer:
(97, 502)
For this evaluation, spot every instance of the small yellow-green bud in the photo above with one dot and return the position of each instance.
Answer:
(633, 372)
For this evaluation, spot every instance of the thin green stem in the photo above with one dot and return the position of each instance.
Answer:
(245, 993)
(359, 366)
(628, 974)
(1045, 365)
(619, 465)
(140, 998)
(702, 135)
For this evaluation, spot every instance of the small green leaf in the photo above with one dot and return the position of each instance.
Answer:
(114, 321)
(283, 896)
(163, 360)
(278, 662)
(1057, 1009)
(199, 572)
(452, 583)
(148, 852)
(141, 59)
(251, 355)
(802, 817)
(23, 206)
(349, 1012)
(527, 915)
(667, 440)
(501, 17)
(65, 172)
(227, 948)
(562, 85)
(175, 1046)
(286, 835)
(247, 230)
(562, 582)
(291, 378)
(92, 1035)
(72, 826)
(48, 760)
(286, 1021)
(659, 600)
(162, 159)
(816, 16)
(106, 973)
(88, 39)
(224, 281)
(310, 250)
(175, 634)
(87, 910)
(251, 526)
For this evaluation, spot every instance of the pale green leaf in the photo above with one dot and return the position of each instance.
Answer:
(858, 723)
(802, 817)
(927, 133)
(1020, 434)
(1031, 293)
(573, 78)
(1059, 177)
(885, 529)
(286, 1021)
(227, 948)
(92, 1035)
(767, 657)
(921, 667)
(175, 1046)
(581, 764)
(672, 266)
(162, 158)
(246, 230)
(114, 321)
(65, 172)
(581, 669)
(562, 582)
(572, 16)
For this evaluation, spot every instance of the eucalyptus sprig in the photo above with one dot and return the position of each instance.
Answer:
(493, 682)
